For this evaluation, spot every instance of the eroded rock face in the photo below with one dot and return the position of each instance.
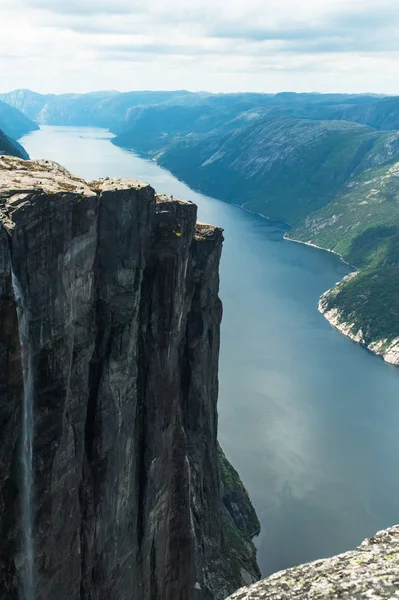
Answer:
(370, 571)
(121, 291)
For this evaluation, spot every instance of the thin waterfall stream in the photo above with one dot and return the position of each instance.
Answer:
(27, 575)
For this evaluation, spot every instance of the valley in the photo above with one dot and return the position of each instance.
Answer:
(308, 418)
(325, 164)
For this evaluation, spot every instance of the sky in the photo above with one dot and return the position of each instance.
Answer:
(215, 45)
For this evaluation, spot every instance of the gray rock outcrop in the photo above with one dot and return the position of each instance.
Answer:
(120, 289)
(370, 571)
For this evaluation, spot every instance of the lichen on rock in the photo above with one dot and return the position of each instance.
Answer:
(371, 572)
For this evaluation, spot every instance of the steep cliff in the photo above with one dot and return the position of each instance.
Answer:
(13, 122)
(370, 571)
(115, 291)
(10, 147)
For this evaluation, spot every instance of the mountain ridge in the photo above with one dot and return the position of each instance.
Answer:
(13, 122)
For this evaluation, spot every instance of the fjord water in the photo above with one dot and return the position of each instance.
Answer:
(309, 418)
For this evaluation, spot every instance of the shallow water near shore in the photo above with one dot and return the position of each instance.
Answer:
(309, 418)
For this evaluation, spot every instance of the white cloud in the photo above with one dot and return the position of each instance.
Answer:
(256, 45)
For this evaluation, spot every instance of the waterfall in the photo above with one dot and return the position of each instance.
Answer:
(27, 575)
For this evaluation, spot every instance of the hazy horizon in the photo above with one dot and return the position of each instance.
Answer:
(268, 47)
(205, 92)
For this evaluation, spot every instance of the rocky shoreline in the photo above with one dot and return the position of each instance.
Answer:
(290, 239)
(388, 350)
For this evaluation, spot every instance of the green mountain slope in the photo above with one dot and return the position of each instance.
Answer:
(381, 114)
(362, 224)
(13, 122)
(10, 147)
(283, 168)
(335, 181)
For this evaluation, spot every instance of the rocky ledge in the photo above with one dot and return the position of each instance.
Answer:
(387, 349)
(369, 572)
(119, 291)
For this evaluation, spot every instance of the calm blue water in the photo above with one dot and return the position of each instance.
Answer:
(309, 418)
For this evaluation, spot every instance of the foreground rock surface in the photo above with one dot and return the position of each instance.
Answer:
(369, 572)
(121, 291)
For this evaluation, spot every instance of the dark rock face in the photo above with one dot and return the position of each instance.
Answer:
(121, 291)
(240, 525)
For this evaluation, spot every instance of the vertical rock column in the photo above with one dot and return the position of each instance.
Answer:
(11, 391)
(53, 245)
(121, 292)
(111, 486)
(178, 408)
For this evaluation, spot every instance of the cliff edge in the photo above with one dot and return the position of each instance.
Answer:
(109, 344)
(370, 571)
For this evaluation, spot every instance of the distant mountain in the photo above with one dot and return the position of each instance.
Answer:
(13, 122)
(98, 109)
(113, 109)
(381, 114)
(10, 147)
(284, 168)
